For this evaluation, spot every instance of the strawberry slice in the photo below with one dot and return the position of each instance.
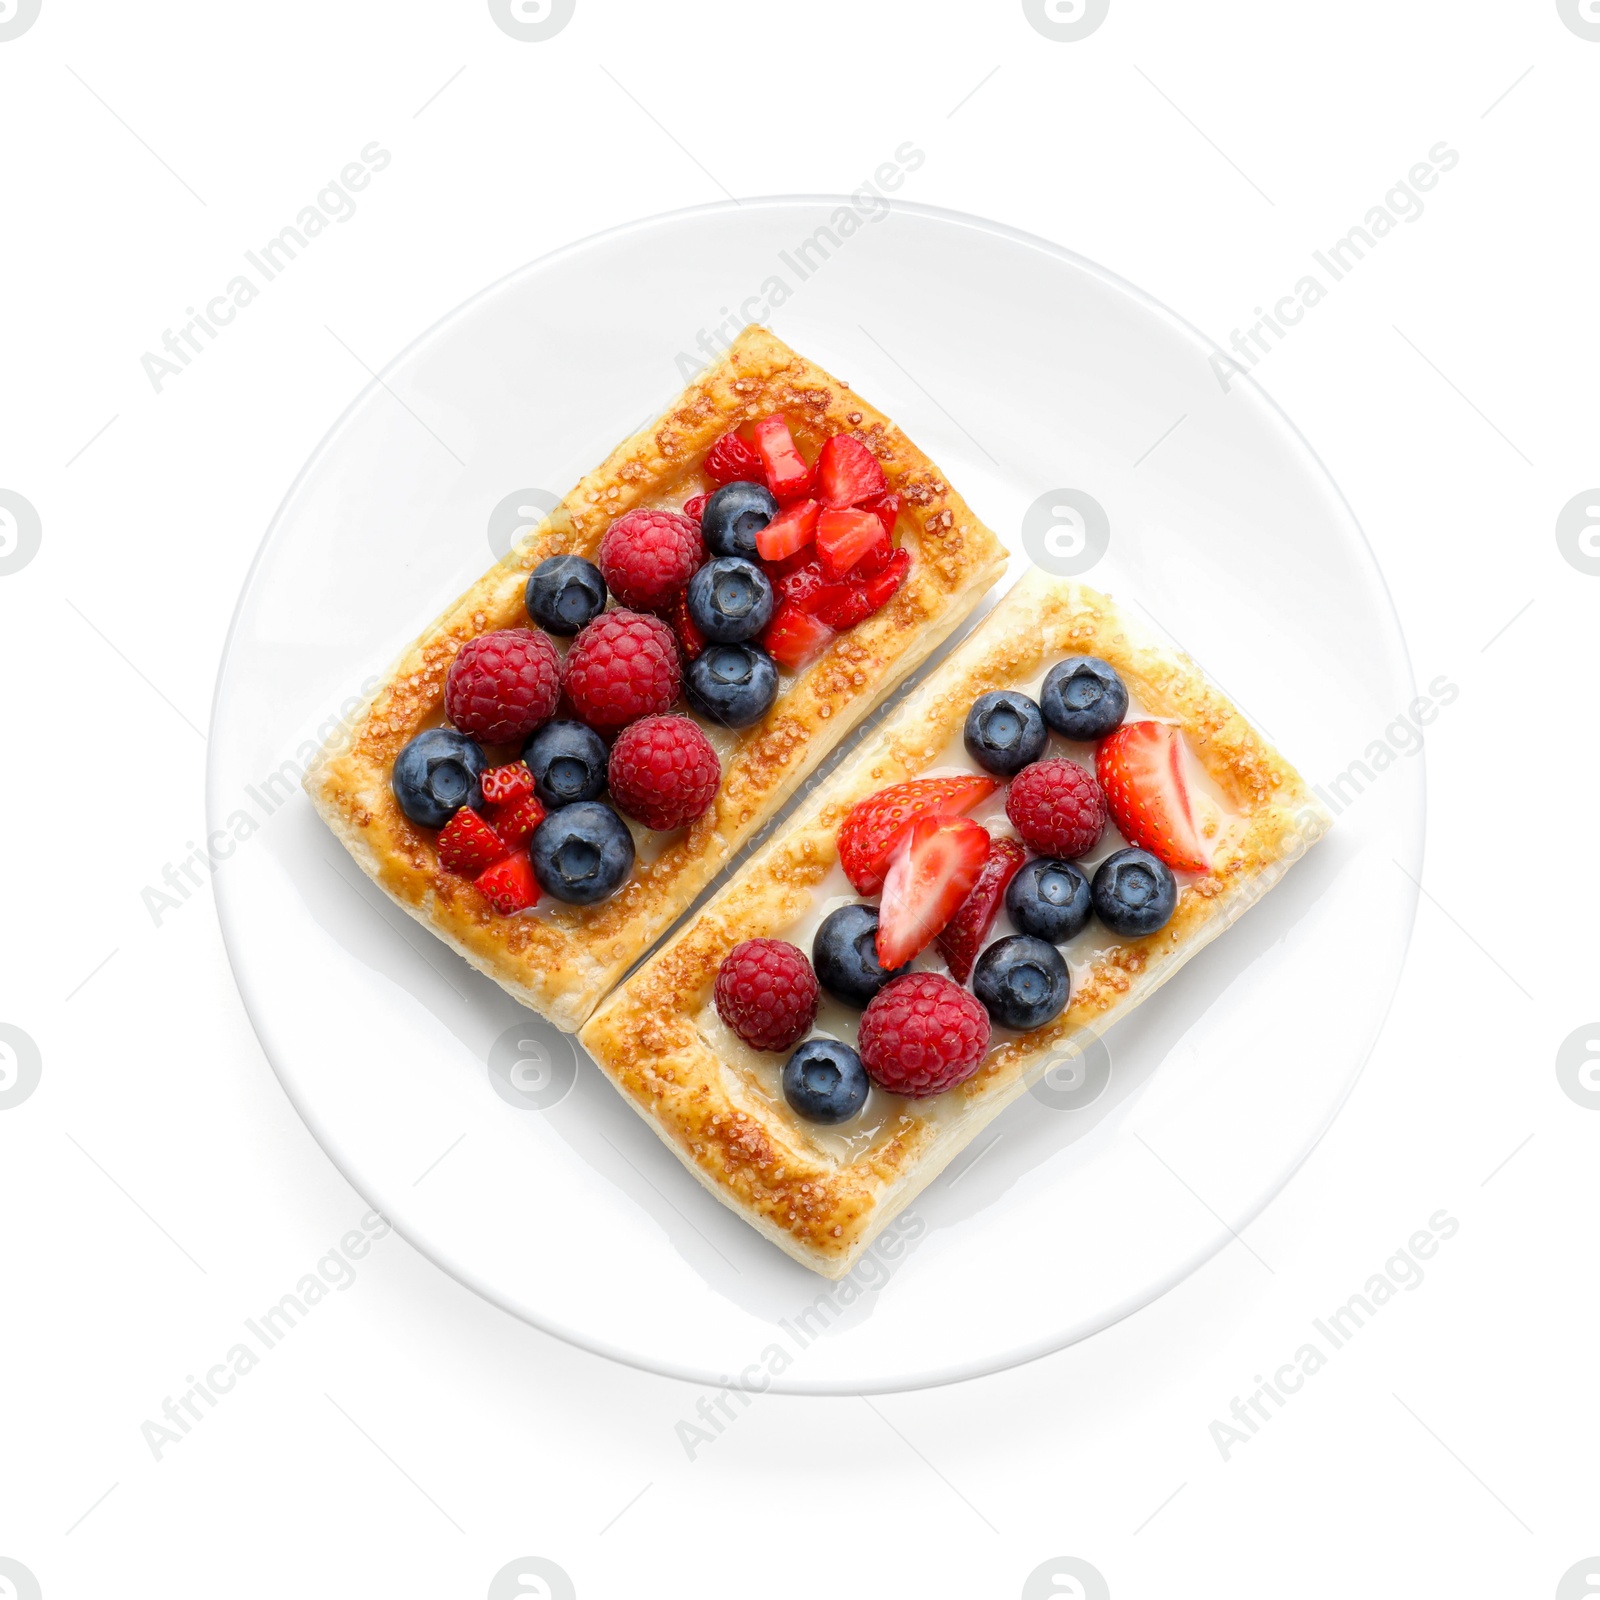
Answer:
(880, 588)
(843, 537)
(788, 476)
(874, 825)
(792, 529)
(842, 605)
(510, 782)
(848, 473)
(731, 460)
(515, 822)
(689, 636)
(467, 844)
(886, 508)
(694, 505)
(509, 885)
(931, 871)
(965, 932)
(794, 638)
(876, 557)
(1140, 767)
(803, 584)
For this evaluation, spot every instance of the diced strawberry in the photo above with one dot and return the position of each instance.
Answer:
(792, 529)
(788, 476)
(1140, 767)
(509, 782)
(731, 460)
(794, 638)
(802, 584)
(886, 508)
(509, 885)
(841, 605)
(689, 636)
(781, 569)
(869, 833)
(467, 844)
(877, 556)
(843, 537)
(931, 871)
(694, 505)
(848, 473)
(965, 932)
(881, 587)
(515, 822)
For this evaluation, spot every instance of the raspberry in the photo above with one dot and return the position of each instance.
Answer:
(623, 666)
(731, 460)
(922, 1034)
(1057, 808)
(646, 557)
(663, 772)
(694, 505)
(767, 993)
(501, 686)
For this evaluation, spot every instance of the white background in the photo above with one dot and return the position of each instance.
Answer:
(156, 1188)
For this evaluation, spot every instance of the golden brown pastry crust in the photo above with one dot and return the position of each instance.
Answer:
(752, 1153)
(561, 964)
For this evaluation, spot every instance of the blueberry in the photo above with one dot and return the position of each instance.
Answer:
(568, 762)
(1050, 899)
(732, 684)
(730, 600)
(582, 852)
(1134, 892)
(436, 774)
(844, 954)
(733, 516)
(1005, 732)
(1083, 698)
(1022, 982)
(824, 1081)
(565, 593)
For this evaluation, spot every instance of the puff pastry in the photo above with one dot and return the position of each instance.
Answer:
(716, 1104)
(561, 961)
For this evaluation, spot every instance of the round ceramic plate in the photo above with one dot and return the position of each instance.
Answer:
(1034, 379)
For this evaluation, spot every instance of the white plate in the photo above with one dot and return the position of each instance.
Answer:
(1022, 370)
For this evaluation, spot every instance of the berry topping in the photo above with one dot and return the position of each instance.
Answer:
(1022, 982)
(732, 684)
(468, 844)
(767, 993)
(1058, 808)
(1005, 732)
(795, 639)
(848, 473)
(824, 1081)
(568, 762)
(1083, 698)
(1135, 893)
(965, 932)
(689, 637)
(623, 666)
(730, 458)
(788, 476)
(843, 537)
(874, 824)
(648, 556)
(436, 774)
(730, 600)
(734, 518)
(501, 686)
(694, 507)
(1050, 900)
(509, 782)
(844, 952)
(931, 871)
(800, 581)
(509, 886)
(564, 593)
(581, 853)
(516, 821)
(663, 772)
(791, 530)
(923, 1034)
(886, 508)
(1141, 770)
